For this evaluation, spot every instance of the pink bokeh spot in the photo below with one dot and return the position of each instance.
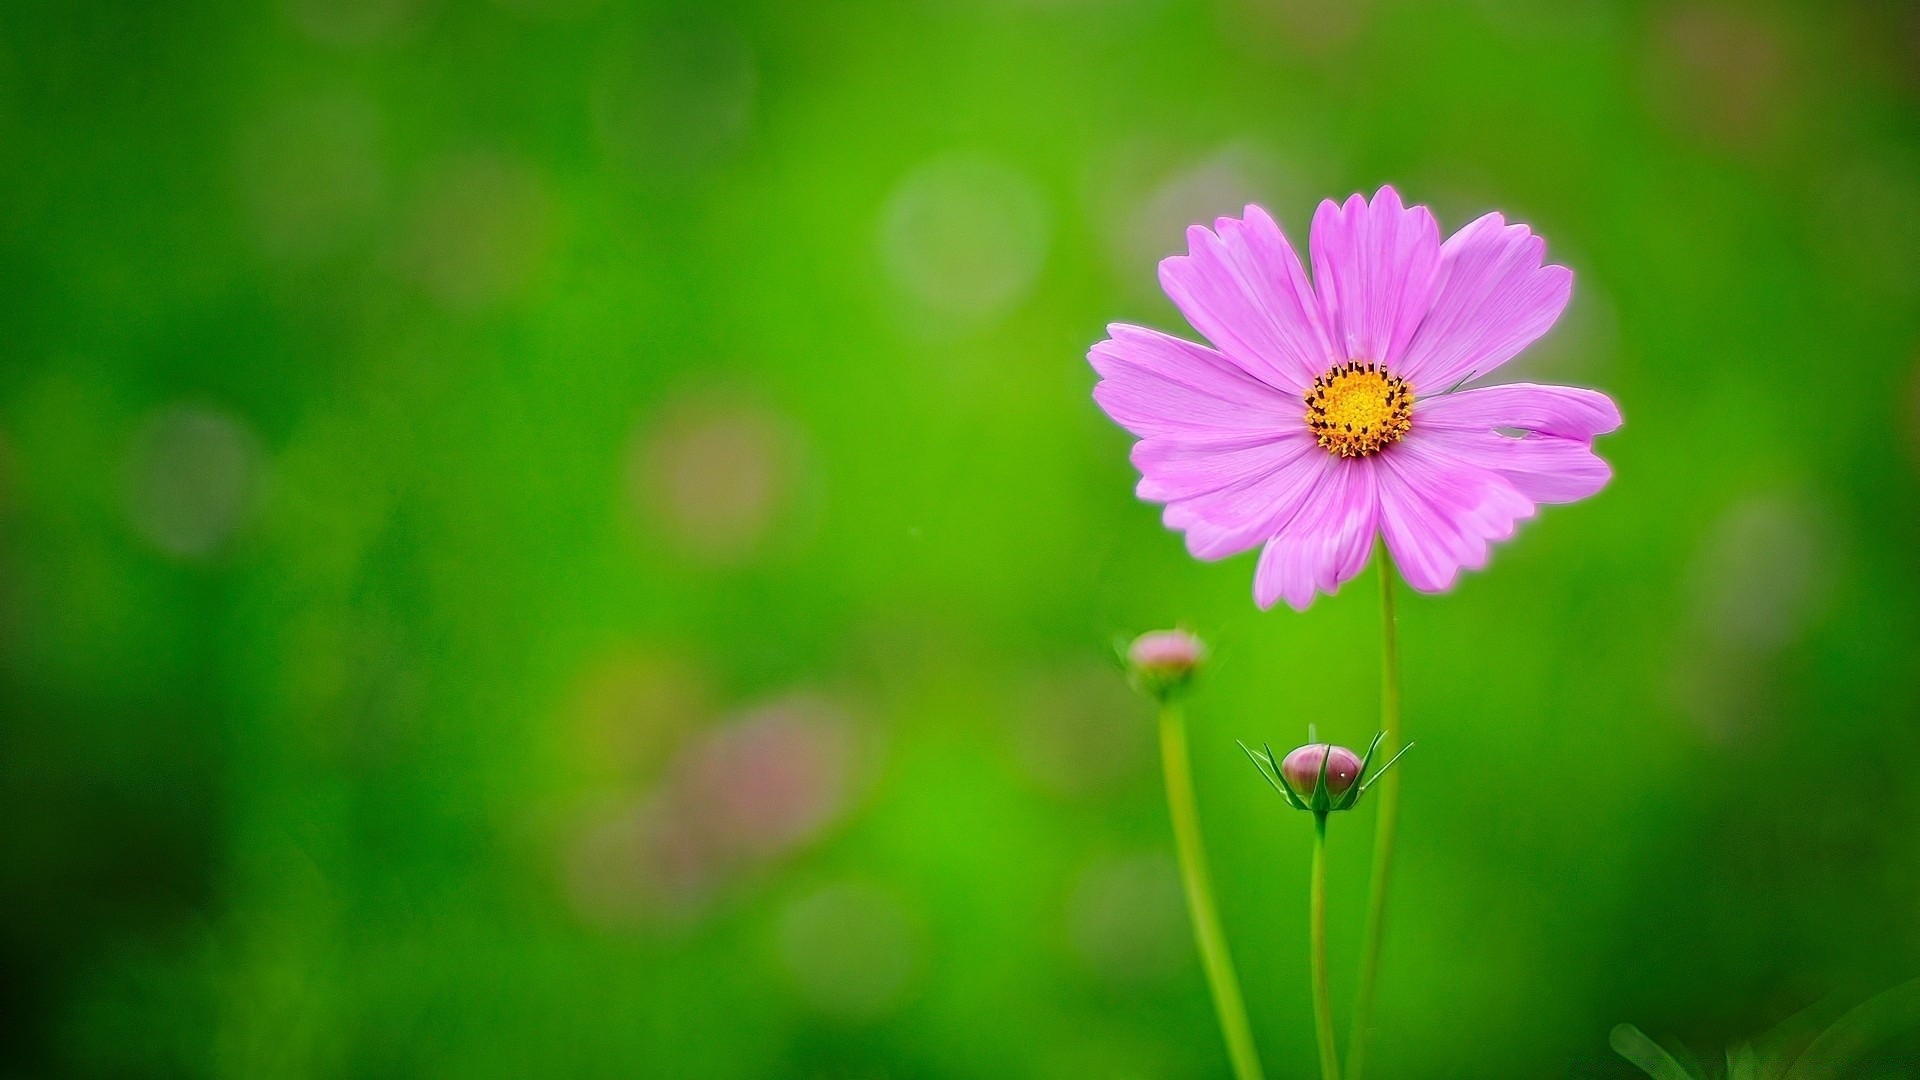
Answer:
(736, 798)
(1224, 443)
(769, 782)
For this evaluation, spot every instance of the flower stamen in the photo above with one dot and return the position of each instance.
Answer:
(1357, 409)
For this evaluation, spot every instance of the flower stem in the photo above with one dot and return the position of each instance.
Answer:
(1317, 932)
(1227, 1002)
(1385, 823)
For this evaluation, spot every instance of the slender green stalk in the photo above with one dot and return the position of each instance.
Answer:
(1385, 824)
(1214, 957)
(1317, 932)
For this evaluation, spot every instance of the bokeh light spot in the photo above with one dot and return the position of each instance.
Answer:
(716, 474)
(632, 708)
(193, 475)
(552, 9)
(1314, 28)
(640, 864)
(771, 780)
(310, 175)
(357, 22)
(1761, 577)
(1083, 732)
(1127, 919)
(1722, 72)
(1867, 229)
(1148, 222)
(735, 799)
(479, 232)
(677, 101)
(1764, 572)
(1909, 417)
(852, 950)
(965, 237)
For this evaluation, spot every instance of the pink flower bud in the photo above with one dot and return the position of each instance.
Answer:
(1302, 769)
(1164, 660)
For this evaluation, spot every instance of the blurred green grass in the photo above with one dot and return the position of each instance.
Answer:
(571, 539)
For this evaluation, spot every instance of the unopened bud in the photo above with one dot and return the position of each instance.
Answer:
(1297, 776)
(1164, 661)
(1302, 769)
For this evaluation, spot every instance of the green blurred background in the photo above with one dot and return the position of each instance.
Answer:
(570, 538)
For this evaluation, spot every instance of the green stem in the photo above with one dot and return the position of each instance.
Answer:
(1317, 932)
(1214, 958)
(1388, 801)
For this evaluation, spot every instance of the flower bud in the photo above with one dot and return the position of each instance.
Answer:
(1164, 661)
(1297, 776)
(1302, 769)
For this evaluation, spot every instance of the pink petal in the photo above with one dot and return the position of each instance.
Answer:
(1495, 298)
(1552, 460)
(1326, 542)
(1153, 384)
(1375, 267)
(1228, 497)
(1245, 291)
(1544, 468)
(1567, 411)
(1176, 467)
(1438, 511)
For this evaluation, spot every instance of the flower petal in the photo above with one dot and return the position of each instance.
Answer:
(1327, 540)
(1154, 384)
(1552, 461)
(1438, 510)
(1173, 468)
(1569, 412)
(1228, 497)
(1494, 299)
(1245, 291)
(1544, 468)
(1375, 266)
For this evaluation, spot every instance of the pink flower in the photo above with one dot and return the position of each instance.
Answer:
(1330, 412)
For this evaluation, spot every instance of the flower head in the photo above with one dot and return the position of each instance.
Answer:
(1328, 412)
(1305, 765)
(1162, 662)
(1321, 777)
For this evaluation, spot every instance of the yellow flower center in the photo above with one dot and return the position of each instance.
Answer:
(1358, 409)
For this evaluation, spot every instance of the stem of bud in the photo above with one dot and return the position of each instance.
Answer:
(1215, 959)
(1317, 934)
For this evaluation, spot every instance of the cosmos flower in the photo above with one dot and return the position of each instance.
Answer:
(1331, 412)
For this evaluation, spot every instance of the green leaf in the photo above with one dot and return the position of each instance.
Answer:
(1870, 1023)
(1743, 1063)
(1646, 1055)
